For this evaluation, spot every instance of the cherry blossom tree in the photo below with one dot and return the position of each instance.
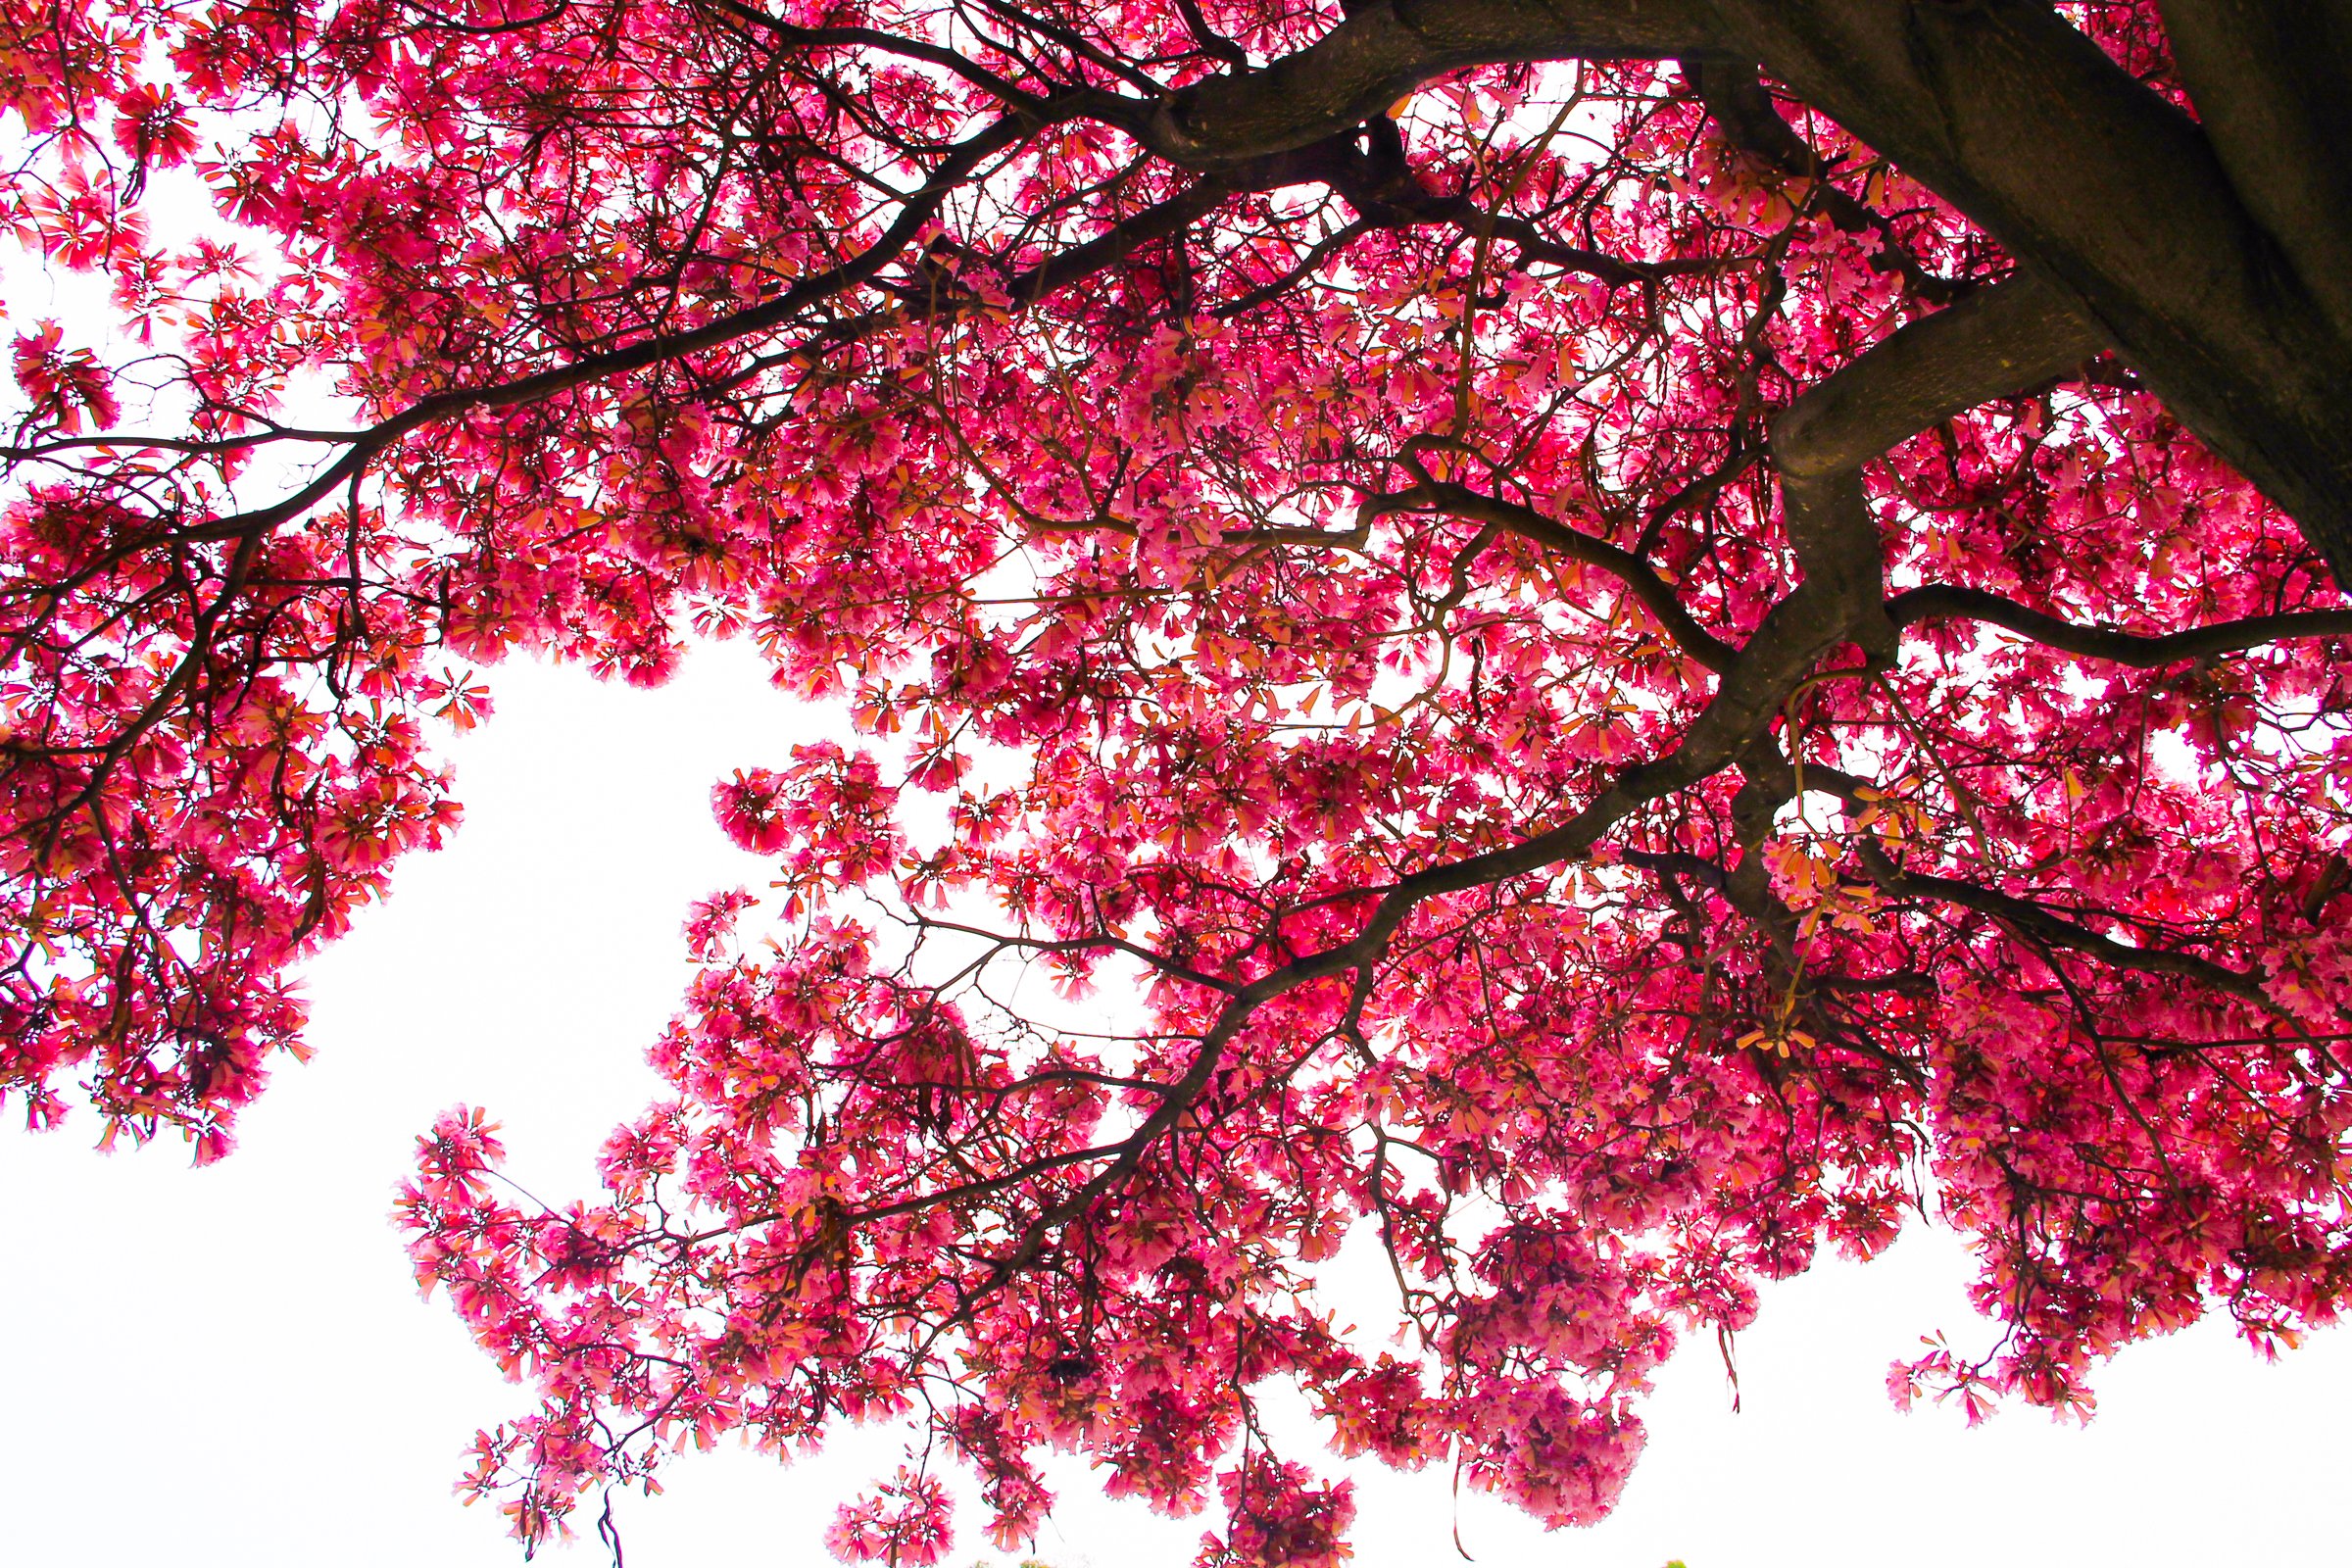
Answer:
(1625, 637)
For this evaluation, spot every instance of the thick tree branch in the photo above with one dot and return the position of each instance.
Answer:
(1382, 51)
(2012, 335)
(2001, 107)
(1924, 373)
(2271, 85)
(1938, 601)
(2088, 177)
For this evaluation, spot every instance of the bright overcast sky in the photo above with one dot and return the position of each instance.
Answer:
(230, 1367)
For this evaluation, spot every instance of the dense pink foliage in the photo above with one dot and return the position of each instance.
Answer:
(1188, 595)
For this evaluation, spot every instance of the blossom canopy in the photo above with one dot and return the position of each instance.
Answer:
(1621, 638)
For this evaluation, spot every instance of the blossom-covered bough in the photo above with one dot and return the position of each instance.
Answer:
(1637, 635)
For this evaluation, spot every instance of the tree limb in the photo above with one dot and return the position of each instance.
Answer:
(1940, 601)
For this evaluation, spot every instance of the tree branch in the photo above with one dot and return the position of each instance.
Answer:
(1637, 574)
(1999, 339)
(2001, 107)
(1744, 112)
(2088, 177)
(2031, 919)
(1382, 51)
(2012, 334)
(2272, 90)
(1940, 600)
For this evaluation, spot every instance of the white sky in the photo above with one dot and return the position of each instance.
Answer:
(230, 1367)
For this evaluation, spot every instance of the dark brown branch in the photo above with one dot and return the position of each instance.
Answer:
(2010, 335)
(1640, 579)
(1382, 51)
(1213, 42)
(2031, 919)
(1939, 602)
(1735, 97)
(920, 207)
(2014, 334)
(2108, 192)
(2273, 90)
(2003, 107)
(1165, 221)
